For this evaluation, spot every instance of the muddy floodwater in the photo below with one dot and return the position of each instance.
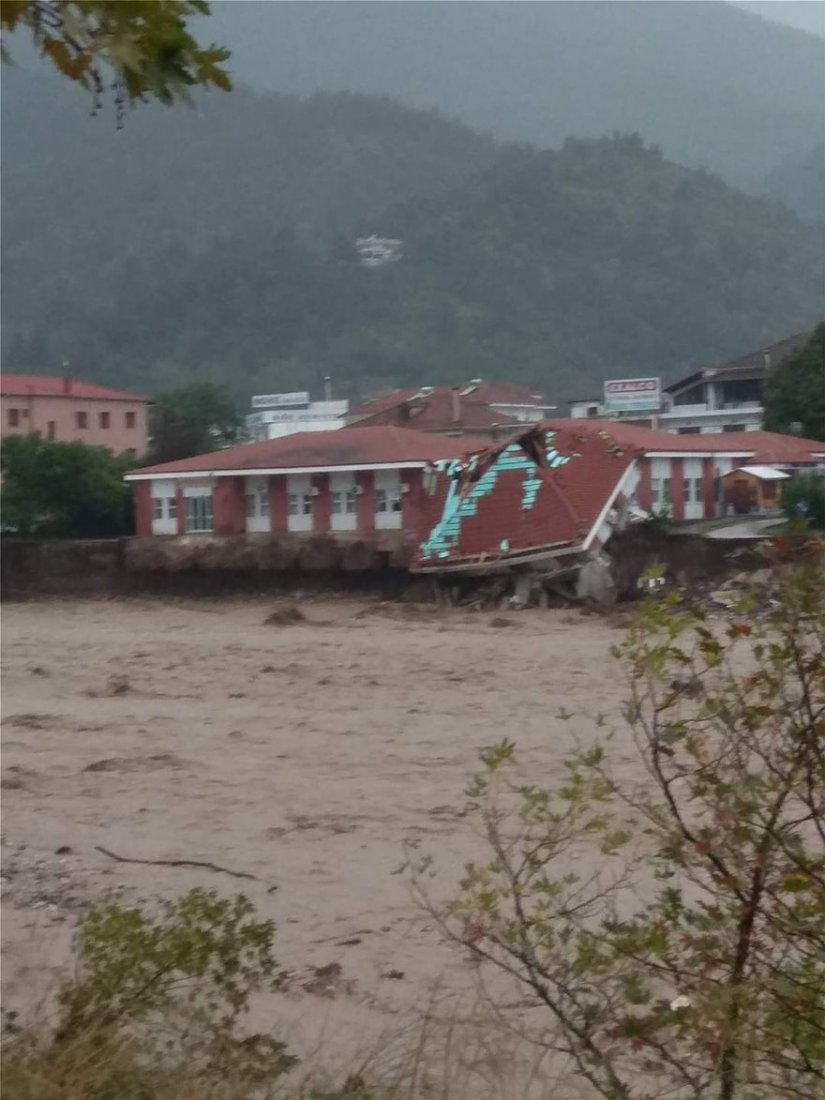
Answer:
(316, 756)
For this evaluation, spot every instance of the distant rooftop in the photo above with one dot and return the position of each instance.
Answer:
(43, 385)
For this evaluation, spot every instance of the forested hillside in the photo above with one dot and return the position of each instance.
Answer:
(218, 244)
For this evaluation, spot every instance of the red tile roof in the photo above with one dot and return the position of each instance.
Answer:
(434, 409)
(42, 385)
(360, 447)
(503, 502)
(762, 447)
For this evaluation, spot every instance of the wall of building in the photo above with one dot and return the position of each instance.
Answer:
(118, 425)
(347, 502)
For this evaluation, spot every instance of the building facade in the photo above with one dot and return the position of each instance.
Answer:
(66, 409)
(554, 495)
(359, 483)
(725, 397)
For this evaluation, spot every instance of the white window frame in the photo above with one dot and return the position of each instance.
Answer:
(257, 504)
(199, 516)
(300, 511)
(343, 501)
(164, 507)
(388, 497)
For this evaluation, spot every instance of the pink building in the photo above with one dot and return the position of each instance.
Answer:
(65, 409)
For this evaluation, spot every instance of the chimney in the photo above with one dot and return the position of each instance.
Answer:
(327, 388)
(767, 359)
(67, 384)
(456, 401)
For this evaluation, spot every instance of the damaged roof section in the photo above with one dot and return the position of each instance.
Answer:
(545, 493)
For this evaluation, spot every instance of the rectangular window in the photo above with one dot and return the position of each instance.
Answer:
(344, 502)
(661, 492)
(130, 420)
(164, 508)
(299, 504)
(733, 427)
(13, 418)
(81, 419)
(388, 500)
(199, 513)
(694, 490)
(105, 419)
(688, 431)
(51, 430)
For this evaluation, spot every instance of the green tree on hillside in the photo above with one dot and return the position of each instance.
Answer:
(63, 490)
(192, 420)
(795, 390)
(139, 49)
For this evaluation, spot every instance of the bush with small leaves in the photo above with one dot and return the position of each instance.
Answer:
(691, 961)
(159, 996)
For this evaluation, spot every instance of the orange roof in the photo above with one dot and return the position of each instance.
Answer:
(434, 405)
(44, 385)
(545, 489)
(353, 447)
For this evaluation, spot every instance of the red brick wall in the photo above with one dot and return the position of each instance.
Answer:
(412, 500)
(277, 503)
(321, 504)
(180, 512)
(143, 507)
(365, 481)
(229, 506)
(644, 490)
(708, 493)
(677, 487)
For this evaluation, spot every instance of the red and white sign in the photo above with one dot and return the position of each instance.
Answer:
(630, 394)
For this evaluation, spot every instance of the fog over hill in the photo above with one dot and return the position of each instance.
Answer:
(219, 242)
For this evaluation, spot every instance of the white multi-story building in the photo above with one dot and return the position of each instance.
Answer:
(727, 397)
(278, 414)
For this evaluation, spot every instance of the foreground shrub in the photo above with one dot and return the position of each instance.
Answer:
(690, 960)
(156, 1006)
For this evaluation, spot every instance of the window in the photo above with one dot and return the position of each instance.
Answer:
(130, 420)
(694, 490)
(105, 419)
(689, 431)
(164, 508)
(733, 427)
(13, 417)
(257, 502)
(51, 430)
(661, 492)
(81, 419)
(388, 500)
(344, 502)
(199, 513)
(299, 504)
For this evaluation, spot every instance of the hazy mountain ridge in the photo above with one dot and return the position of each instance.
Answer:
(219, 244)
(714, 85)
